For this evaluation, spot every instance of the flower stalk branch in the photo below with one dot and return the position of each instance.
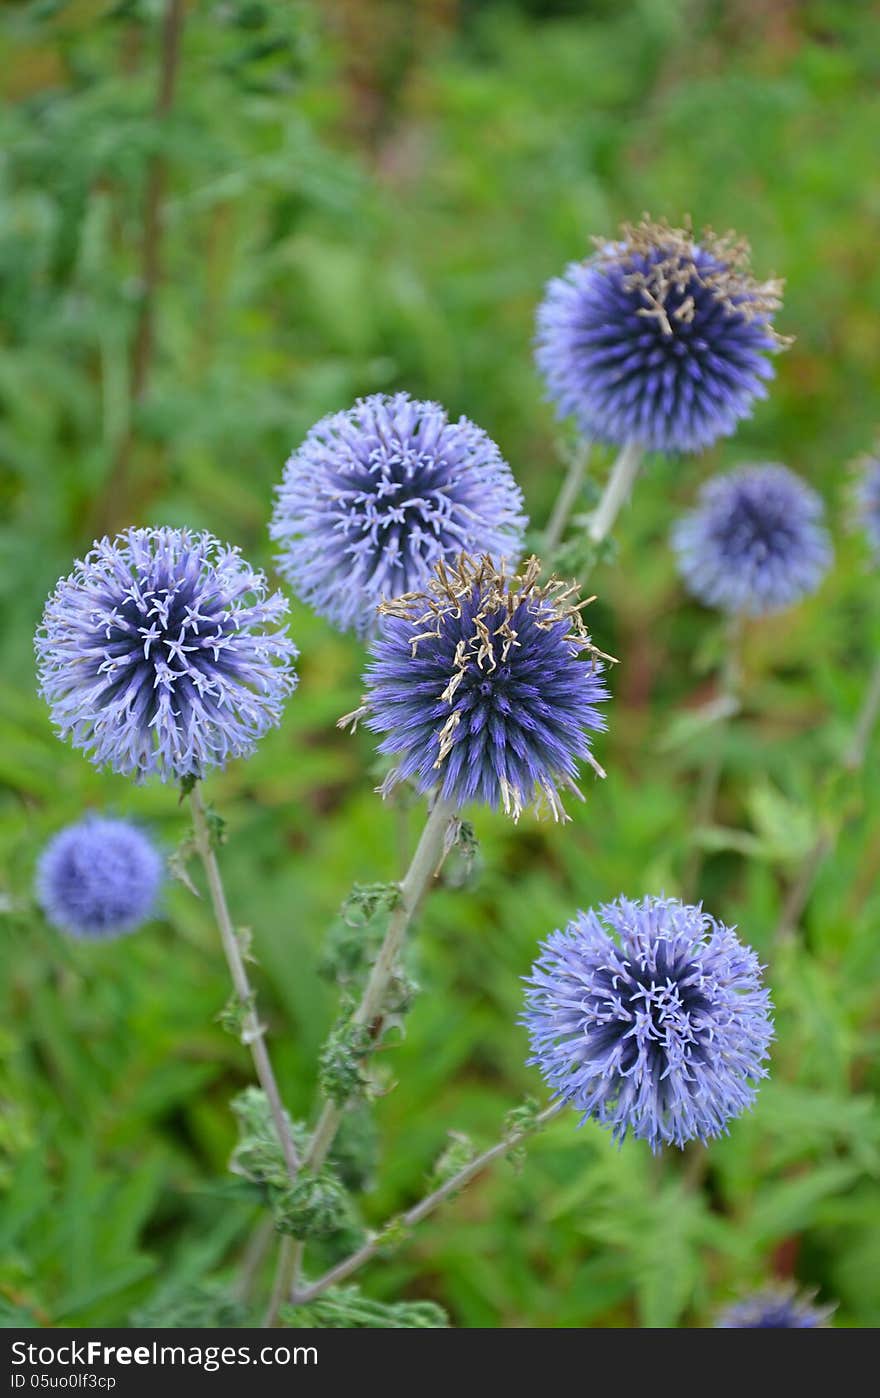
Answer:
(426, 862)
(425, 1207)
(253, 1031)
(616, 493)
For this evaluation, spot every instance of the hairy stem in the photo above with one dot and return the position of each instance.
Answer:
(253, 1032)
(425, 1207)
(568, 493)
(429, 855)
(617, 491)
(798, 896)
(710, 776)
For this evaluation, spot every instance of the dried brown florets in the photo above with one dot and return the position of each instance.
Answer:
(520, 706)
(728, 278)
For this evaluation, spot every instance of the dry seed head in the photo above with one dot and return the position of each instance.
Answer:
(730, 281)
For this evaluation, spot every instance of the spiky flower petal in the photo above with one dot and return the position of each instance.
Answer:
(486, 685)
(776, 1308)
(160, 653)
(377, 495)
(658, 338)
(99, 878)
(649, 1017)
(756, 542)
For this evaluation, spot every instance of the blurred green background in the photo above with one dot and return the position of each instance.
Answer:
(369, 195)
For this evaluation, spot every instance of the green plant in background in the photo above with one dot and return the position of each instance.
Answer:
(297, 270)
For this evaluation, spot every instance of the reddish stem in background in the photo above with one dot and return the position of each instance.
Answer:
(115, 496)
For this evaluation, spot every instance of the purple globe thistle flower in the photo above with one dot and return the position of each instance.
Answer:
(159, 654)
(755, 543)
(650, 1018)
(487, 686)
(99, 878)
(658, 339)
(376, 496)
(867, 501)
(776, 1308)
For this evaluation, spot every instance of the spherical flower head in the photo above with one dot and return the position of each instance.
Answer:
(376, 496)
(777, 1308)
(756, 542)
(867, 501)
(99, 878)
(650, 1018)
(160, 653)
(486, 685)
(658, 339)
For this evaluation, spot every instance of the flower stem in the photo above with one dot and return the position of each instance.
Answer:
(425, 1207)
(253, 1032)
(426, 861)
(710, 777)
(617, 491)
(853, 760)
(568, 493)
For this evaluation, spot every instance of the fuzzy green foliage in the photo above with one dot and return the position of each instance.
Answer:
(341, 1062)
(354, 938)
(315, 1207)
(345, 1308)
(258, 1156)
(331, 232)
(458, 1152)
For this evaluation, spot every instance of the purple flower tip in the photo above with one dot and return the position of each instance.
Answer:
(776, 1308)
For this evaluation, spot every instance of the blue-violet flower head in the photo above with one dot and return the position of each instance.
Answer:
(160, 653)
(486, 685)
(755, 543)
(650, 1018)
(376, 496)
(777, 1308)
(99, 878)
(658, 339)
